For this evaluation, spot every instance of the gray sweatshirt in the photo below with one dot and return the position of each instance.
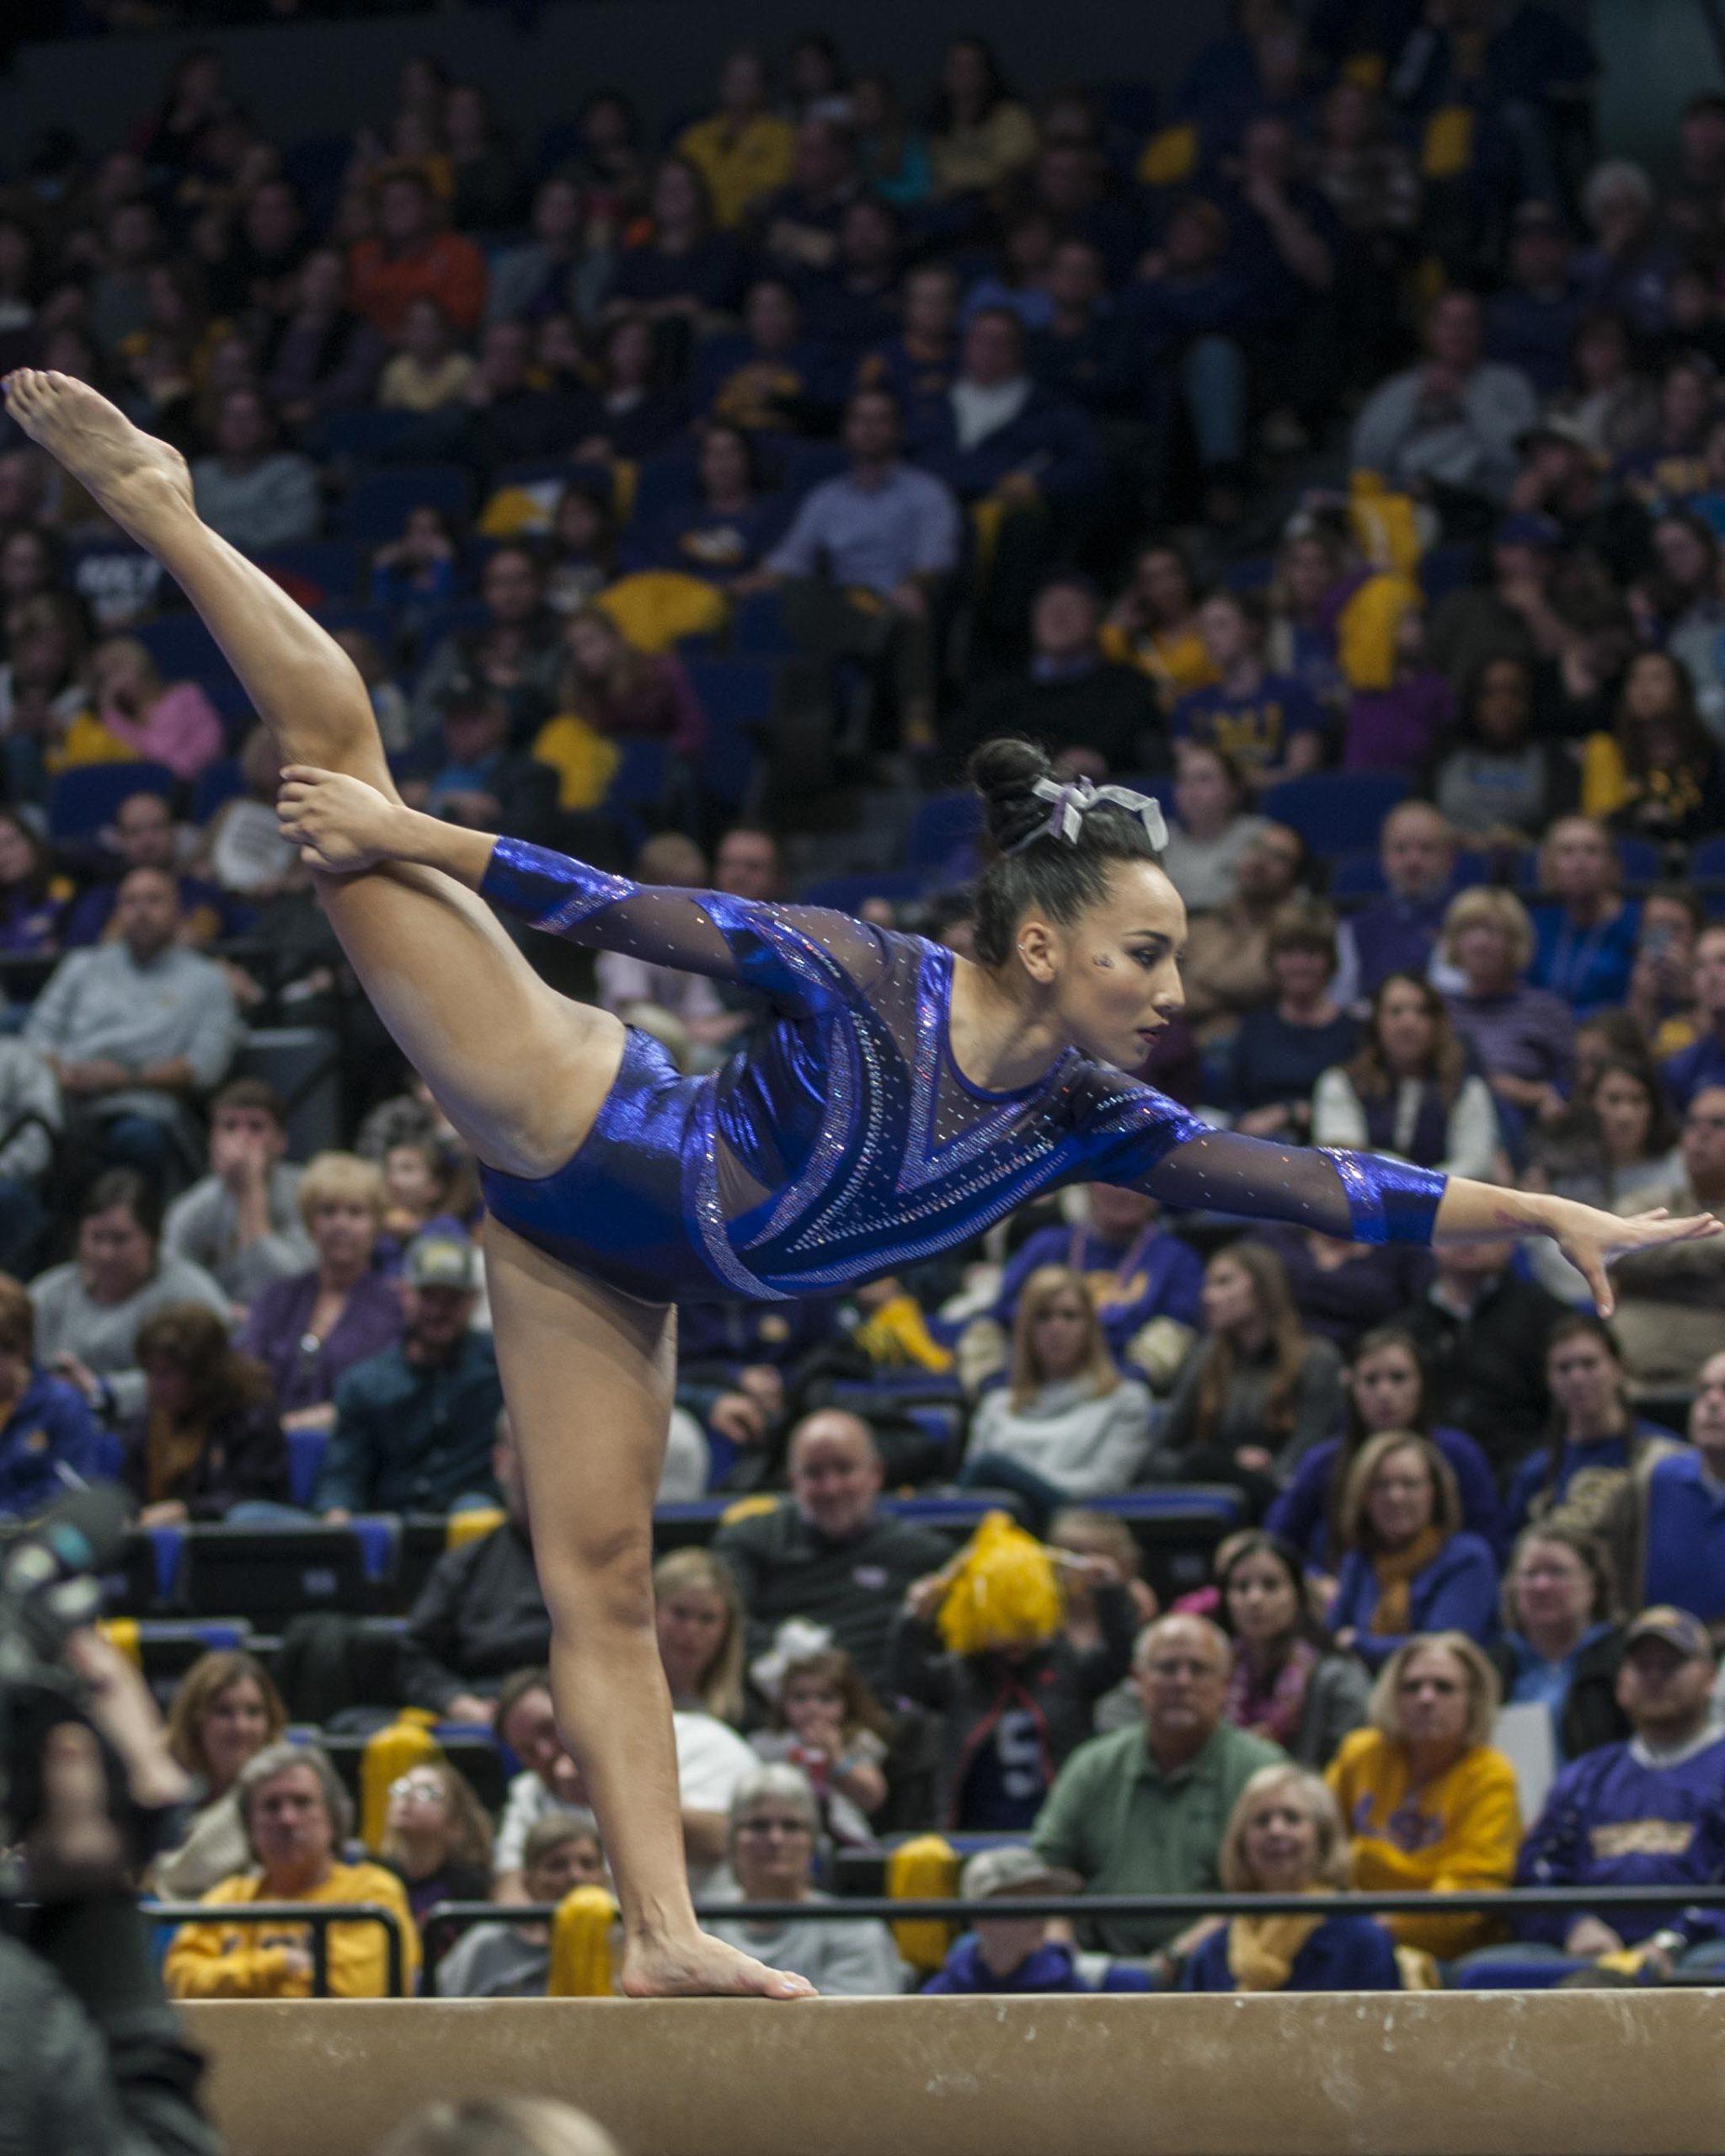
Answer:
(69, 1321)
(203, 1225)
(1086, 1446)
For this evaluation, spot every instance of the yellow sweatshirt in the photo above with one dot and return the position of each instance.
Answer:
(1459, 1833)
(249, 1960)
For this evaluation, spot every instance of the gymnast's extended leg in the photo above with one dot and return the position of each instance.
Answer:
(521, 1071)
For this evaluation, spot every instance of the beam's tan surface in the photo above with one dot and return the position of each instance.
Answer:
(1475, 2073)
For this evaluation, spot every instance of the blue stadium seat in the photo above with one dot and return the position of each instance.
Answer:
(758, 627)
(737, 695)
(1182, 1500)
(1253, 574)
(378, 507)
(233, 706)
(1445, 570)
(942, 823)
(317, 165)
(1707, 861)
(1357, 876)
(846, 894)
(182, 647)
(1336, 812)
(219, 783)
(1536, 1973)
(373, 621)
(664, 481)
(304, 1461)
(803, 465)
(167, 1546)
(82, 800)
(366, 436)
(733, 692)
(331, 566)
(641, 779)
(1641, 860)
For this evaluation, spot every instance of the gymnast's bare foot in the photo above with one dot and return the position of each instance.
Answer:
(700, 1968)
(137, 479)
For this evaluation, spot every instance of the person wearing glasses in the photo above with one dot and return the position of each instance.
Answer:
(775, 1838)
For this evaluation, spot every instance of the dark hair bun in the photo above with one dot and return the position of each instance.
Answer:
(1004, 772)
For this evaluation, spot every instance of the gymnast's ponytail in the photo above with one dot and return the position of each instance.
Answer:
(1049, 851)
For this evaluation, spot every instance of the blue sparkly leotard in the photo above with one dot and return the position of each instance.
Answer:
(845, 1143)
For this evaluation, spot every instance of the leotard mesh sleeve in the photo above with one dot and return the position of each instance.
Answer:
(1145, 1141)
(803, 957)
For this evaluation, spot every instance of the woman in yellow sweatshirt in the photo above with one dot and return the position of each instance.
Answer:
(296, 1815)
(1430, 1806)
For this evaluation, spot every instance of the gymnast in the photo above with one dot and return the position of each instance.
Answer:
(904, 1101)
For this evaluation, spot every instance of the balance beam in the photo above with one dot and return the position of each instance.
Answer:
(1468, 2073)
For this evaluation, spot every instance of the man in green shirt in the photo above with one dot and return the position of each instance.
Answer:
(1143, 1811)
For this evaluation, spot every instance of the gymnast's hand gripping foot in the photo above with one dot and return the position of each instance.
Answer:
(904, 1101)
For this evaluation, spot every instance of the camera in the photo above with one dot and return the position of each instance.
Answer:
(51, 1588)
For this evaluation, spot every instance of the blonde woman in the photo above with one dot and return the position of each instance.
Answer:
(698, 1615)
(1068, 1426)
(134, 713)
(1410, 1565)
(1430, 1806)
(1523, 1037)
(310, 1329)
(1285, 1837)
(225, 1711)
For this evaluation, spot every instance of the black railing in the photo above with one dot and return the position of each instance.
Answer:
(448, 1919)
(453, 1917)
(316, 1916)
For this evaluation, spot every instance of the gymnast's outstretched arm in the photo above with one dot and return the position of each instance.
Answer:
(1367, 1197)
(798, 955)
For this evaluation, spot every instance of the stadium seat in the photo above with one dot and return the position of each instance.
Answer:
(1445, 570)
(82, 800)
(376, 509)
(758, 629)
(168, 1646)
(942, 823)
(216, 784)
(336, 615)
(330, 566)
(1536, 1973)
(662, 483)
(1336, 812)
(1707, 861)
(305, 1462)
(846, 894)
(182, 647)
(277, 1572)
(366, 436)
(737, 695)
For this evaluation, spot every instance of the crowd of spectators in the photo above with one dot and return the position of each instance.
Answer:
(1341, 456)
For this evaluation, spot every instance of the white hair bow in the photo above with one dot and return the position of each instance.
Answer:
(795, 1641)
(1074, 798)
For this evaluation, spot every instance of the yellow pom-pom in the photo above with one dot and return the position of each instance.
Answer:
(1002, 1592)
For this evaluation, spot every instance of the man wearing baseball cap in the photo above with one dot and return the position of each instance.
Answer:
(1649, 1812)
(1014, 1953)
(413, 1425)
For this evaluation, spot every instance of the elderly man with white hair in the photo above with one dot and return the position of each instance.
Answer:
(1143, 1811)
(775, 1836)
(297, 1816)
